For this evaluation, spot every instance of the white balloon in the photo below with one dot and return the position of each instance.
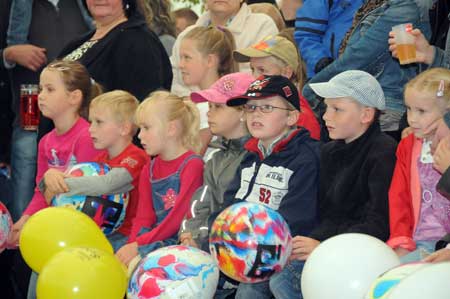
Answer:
(345, 266)
(432, 282)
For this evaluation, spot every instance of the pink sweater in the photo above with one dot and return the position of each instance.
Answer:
(60, 152)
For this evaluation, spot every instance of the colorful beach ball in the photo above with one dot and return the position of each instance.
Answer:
(174, 272)
(5, 226)
(250, 242)
(383, 285)
(108, 211)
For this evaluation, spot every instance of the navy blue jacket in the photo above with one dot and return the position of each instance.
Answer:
(286, 180)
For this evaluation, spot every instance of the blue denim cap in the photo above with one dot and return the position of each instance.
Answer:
(358, 85)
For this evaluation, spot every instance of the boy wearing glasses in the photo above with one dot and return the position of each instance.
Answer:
(281, 168)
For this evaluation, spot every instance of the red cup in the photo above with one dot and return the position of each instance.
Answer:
(29, 110)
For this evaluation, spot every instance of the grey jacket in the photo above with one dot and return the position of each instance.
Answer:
(219, 172)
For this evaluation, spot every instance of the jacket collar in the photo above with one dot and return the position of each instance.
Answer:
(230, 144)
(237, 24)
(252, 144)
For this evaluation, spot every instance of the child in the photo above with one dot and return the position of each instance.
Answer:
(112, 129)
(228, 123)
(169, 134)
(418, 213)
(281, 169)
(66, 88)
(184, 17)
(205, 56)
(276, 55)
(355, 171)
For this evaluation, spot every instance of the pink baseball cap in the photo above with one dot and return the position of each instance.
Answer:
(226, 87)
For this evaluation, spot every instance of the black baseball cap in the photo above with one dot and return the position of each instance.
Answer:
(268, 86)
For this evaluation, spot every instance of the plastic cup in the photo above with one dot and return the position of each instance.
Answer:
(406, 48)
(29, 110)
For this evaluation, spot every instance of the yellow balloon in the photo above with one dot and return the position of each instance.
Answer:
(51, 230)
(82, 273)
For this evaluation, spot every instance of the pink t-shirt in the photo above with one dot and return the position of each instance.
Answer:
(60, 152)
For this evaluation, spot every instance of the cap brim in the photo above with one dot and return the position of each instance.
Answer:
(241, 100)
(329, 90)
(244, 55)
(208, 95)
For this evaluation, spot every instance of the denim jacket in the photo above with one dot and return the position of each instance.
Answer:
(20, 20)
(368, 50)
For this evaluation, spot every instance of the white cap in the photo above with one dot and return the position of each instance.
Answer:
(359, 85)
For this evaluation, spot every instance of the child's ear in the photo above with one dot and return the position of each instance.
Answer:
(293, 117)
(213, 60)
(172, 128)
(126, 128)
(287, 72)
(75, 97)
(367, 115)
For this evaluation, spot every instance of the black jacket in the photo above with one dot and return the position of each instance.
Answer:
(130, 57)
(354, 184)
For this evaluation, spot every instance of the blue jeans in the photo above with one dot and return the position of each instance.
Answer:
(423, 249)
(282, 285)
(23, 169)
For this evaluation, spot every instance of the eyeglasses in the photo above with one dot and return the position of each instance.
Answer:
(263, 108)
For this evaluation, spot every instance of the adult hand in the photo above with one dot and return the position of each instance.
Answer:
(187, 240)
(439, 130)
(442, 255)
(406, 131)
(302, 247)
(127, 253)
(13, 239)
(424, 51)
(441, 157)
(29, 56)
(54, 181)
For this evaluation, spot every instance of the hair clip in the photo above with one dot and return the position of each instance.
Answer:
(441, 88)
(92, 81)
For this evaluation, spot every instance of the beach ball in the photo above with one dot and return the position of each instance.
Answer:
(250, 242)
(430, 282)
(345, 266)
(383, 285)
(174, 272)
(108, 211)
(5, 226)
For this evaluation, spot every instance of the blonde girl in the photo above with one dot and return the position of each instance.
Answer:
(169, 134)
(205, 56)
(419, 215)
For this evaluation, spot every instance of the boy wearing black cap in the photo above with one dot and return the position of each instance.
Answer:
(281, 168)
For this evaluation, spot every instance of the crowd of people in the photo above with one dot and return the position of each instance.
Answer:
(192, 113)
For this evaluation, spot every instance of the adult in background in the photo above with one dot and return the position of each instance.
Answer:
(319, 29)
(365, 48)
(247, 28)
(122, 52)
(162, 22)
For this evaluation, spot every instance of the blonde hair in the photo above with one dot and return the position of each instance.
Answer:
(270, 10)
(218, 41)
(122, 105)
(75, 76)
(160, 17)
(171, 107)
(430, 81)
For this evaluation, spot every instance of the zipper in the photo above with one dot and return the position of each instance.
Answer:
(252, 182)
